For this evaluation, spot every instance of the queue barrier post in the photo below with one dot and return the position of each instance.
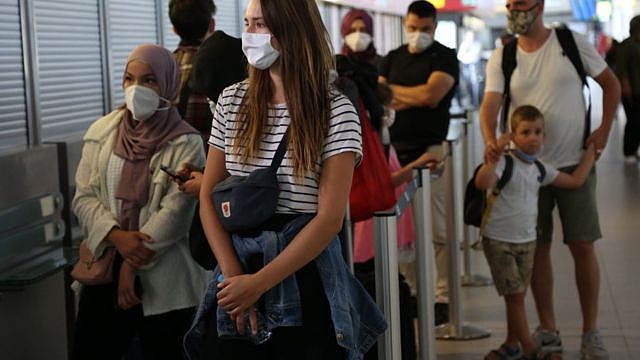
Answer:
(456, 328)
(471, 233)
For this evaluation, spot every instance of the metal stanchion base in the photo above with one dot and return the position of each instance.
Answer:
(476, 280)
(467, 332)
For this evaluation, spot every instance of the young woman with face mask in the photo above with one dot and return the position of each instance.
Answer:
(124, 200)
(357, 32)
(283, 290)
(358, 62)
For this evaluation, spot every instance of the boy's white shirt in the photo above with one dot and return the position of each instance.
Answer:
(514, 214)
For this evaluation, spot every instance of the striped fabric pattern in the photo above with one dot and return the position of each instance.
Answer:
(344, 136)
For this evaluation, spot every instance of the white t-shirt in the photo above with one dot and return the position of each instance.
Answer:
(514, 213)
(344, 135)
(548, 80)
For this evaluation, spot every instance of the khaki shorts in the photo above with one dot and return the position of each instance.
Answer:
(510, 264)
(577, 209)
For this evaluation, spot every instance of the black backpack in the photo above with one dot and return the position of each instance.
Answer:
(569, 49)
(476, 204)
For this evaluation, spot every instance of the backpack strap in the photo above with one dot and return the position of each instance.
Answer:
(570, 49)
(504, 178)
(541, 169)
(508, 65)
(506, 174)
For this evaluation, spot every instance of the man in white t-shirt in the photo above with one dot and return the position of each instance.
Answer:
(546, 79)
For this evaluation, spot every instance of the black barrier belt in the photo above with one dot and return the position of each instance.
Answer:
(405, 198)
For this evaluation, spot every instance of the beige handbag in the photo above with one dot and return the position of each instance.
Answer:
(90, 270)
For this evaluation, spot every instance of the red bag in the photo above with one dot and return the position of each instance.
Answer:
(372, 188)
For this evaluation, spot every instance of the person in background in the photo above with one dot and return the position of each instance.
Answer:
(544, 78)
(357, 33)
(294, 273)
(193, 22)
(508, 237)
(218, 63)
(124, 200)
(357, 63)
(628, 71)
(423, 75)
(469, 53)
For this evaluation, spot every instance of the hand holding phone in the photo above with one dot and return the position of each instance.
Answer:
(175, 176)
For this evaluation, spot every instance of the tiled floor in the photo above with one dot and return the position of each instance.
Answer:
(619, 256)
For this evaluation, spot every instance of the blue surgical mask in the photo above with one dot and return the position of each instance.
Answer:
(528, 158)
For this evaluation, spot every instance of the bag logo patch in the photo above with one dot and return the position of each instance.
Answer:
(226, 209)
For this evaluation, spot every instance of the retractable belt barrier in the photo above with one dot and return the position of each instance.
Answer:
(386, 268)
(471, 233)
(461, 145)
(456, 328)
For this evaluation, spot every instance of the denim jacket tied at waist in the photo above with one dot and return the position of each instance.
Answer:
(356, 318)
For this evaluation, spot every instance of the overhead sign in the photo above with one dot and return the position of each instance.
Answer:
(398, 7)
(454, 5)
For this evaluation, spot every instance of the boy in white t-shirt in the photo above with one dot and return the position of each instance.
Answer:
(510, 231)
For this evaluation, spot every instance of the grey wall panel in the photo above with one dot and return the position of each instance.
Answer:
(131, 23)
(13, 115)
(228, 17)
(69, 66)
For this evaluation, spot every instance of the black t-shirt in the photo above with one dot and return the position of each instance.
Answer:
(419, 127)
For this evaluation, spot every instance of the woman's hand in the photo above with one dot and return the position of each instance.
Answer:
(191, 186)
(127, 297)
(426, 159)
(238, 293)
(193, 174)
(130, 244)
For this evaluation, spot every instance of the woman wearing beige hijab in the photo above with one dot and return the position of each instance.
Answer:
(124, 200)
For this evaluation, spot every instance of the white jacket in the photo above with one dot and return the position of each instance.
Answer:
(172, 280)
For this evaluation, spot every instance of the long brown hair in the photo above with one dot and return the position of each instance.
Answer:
(305, 62)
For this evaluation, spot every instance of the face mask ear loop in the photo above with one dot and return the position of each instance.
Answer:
(166, 107)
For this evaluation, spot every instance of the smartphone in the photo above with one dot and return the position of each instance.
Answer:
(175, 176)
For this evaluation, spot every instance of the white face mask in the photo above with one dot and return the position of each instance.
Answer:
(358, 41)
(142, 101)
(258, 50)
(419, 40)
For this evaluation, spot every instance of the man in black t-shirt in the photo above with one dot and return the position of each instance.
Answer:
(423, 75)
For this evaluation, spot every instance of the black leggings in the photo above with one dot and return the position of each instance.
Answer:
(105, 332)
(314, 340)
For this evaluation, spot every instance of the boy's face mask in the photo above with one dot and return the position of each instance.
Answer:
(528, 158)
